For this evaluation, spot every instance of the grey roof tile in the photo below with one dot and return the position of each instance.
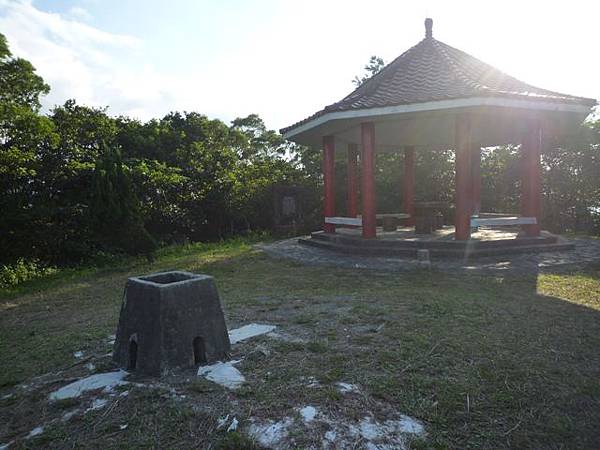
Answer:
(432, 71)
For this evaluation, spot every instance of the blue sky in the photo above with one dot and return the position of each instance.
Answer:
(281, 59)
(181, 33)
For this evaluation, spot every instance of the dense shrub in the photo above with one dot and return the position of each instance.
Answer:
(22, 270)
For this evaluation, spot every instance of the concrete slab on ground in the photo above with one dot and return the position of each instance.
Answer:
(585, 252)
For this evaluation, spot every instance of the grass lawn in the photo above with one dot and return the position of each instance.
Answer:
(482, 361)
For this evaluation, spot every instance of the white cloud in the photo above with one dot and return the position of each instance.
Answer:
(79, 13)
(290, 58)
(93, 66)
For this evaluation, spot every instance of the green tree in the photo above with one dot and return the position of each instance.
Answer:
(25, 137)
(500, 179)
(373, 67)
(571, 182)
(19, 84)
(115, 212)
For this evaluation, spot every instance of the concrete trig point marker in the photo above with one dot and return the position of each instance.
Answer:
(423, 257)
(169, 320)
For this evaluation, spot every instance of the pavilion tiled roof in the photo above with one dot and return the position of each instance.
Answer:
(433, 71)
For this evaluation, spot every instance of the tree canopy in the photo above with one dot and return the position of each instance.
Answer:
(76, 183)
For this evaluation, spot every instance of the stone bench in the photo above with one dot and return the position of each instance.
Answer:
(389, 220)
(502, 221)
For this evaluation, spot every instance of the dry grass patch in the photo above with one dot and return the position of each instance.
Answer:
(483, 362)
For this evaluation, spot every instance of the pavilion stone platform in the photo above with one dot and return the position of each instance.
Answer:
(404, 242)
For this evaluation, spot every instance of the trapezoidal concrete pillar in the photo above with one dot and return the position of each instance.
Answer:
(369, 224)
(170, 320)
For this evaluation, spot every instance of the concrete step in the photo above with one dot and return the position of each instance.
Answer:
(441, 245)
(360, 242)
(358, 250)
(366, 248)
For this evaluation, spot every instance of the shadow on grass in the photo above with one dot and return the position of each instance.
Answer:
(513, 364)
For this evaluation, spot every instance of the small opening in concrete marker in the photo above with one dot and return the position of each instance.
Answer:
(133, 349)
(199, 351)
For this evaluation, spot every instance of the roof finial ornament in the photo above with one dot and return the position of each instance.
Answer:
(428, 27)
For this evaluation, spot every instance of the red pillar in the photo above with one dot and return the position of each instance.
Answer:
(408, 189)
(531, 184)
(352, 201)
(369, 229)
(476, 178)
(462, 220)
(328, 181)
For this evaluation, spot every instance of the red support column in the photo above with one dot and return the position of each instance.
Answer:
(352, 200)
(328, 181)
(462, 220)
(476, 178)
(369, 224)
(531, 183)
(408, 188)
